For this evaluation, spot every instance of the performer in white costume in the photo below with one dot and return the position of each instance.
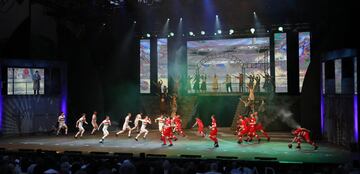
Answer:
(143, 129)
(136, 122)
(79, 124)
(126, 126)
(161, 121)
(94, 122)
(106, 123)
(62, 124)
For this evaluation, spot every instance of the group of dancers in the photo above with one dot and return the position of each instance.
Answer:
(169, 126)
(106, 123)
(248, 126)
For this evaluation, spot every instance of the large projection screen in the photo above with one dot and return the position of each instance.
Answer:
(233, 58)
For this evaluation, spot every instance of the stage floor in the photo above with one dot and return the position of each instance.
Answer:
(190, 145)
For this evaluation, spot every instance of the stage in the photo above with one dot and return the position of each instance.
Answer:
(190, 146)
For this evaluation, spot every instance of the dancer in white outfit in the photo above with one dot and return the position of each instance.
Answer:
(106, 124)
(143, 129)
(161, 121)
(126, 126)
(62, 125)
(94, 122)
(136, 122)
(79, 124)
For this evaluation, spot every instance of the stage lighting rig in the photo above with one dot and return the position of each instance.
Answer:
(116, 2)
(149, 2)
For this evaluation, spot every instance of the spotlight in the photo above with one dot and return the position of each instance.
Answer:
(202, 32)
(148, 35)
(254, 13)
(134, 22)
(180, 19)
(168, 19)
(252, 30)
(191, 33)
(281, 29)
(168, 35)
(172, 34)
(215, 34)
(217, 16)
(231, 31)
(219, 31)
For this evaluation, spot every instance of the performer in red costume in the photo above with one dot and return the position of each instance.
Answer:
(239, 124)
(304, 134)
(260, 128)
(178, 126)
(252, 129)
(200, 125)
(213, 131)
(167, 132)
(243, 128)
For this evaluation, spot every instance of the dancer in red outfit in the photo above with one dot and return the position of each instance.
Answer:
(200, 125)
(167, 132)
(213, 131)
(239, 124)
(252, 129)
(178, 126)
(243, 128)
(260, 128)
(304, 134)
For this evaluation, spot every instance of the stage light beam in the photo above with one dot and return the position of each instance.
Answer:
(219, 31)
(202, 32)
